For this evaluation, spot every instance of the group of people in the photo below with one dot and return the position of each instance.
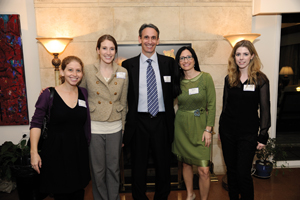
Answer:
(101, 107)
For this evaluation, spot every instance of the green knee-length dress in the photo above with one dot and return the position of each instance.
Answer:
(196, 110)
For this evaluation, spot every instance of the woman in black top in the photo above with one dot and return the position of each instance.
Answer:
(63, 162)
(246, 90)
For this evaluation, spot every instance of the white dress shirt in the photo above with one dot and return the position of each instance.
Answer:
(143, 105)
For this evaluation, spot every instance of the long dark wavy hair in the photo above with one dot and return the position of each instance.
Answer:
(178, 72)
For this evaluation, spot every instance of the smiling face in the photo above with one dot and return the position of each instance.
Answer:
(107, 51)
(186, 60)
(148, 41)
(243, 57)
(72, 73)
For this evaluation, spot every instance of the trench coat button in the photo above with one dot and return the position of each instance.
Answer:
(99, 102)
(115, 75)
(115, 93)
(110, 102)
(97, 82)
(116, 83)
(98, 93)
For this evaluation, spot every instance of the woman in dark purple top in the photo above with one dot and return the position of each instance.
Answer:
(246, 90)
(63, 162)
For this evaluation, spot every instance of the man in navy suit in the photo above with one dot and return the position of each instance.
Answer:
(144, 132)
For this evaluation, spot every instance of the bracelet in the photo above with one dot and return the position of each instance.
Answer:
(208, 131)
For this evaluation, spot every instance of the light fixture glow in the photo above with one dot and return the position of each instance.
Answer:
(55, 45)
(286, 70)
(233, 39)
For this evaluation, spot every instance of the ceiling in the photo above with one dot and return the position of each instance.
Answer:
(290, 23)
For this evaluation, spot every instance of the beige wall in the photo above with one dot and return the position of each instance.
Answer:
(200, 22)
(270, 37)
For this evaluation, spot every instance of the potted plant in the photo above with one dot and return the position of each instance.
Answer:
(16, 167)
(10, 155)
(268, 157)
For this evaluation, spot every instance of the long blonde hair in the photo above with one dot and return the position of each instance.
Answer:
(254, 65)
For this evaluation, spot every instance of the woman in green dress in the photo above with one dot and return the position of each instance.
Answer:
(194, 120)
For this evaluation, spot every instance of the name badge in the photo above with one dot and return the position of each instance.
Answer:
(81, 103)
(121, 75)
(193, 91)
(167, 79)
(249, 87)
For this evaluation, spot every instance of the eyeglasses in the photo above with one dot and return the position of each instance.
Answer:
(188, 58)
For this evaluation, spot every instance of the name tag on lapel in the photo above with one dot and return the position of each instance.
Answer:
(81, 103)
(193, 91)
(249, 88)
(121, 75)
(167, 79)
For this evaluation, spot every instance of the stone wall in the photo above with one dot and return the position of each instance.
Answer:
(200, 22)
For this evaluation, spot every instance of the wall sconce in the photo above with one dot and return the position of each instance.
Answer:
(233, 39)
(55, 46)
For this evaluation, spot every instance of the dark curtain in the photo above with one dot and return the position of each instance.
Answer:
(290, 56)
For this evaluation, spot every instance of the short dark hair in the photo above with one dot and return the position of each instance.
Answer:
(107, 37)
(66, 61)
(148, 26)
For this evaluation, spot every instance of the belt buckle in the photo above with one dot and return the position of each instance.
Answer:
(151, 116)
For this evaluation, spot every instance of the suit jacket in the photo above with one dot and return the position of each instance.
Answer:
(107, 100)
(166, 68)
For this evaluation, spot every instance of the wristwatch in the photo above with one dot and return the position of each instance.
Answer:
(208, 131)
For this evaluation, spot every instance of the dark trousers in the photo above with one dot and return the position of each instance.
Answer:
(151, 135)
(238, 151)
(77, 195)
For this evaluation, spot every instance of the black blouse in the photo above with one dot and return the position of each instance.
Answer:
(240, 108)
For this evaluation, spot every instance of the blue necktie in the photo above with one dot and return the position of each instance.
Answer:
(152, 96)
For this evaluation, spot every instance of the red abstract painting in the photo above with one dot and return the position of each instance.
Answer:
(13, 101)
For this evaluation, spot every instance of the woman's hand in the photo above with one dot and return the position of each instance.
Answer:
(260, 146)
(36, 161)
(207, 137)
(43, 89)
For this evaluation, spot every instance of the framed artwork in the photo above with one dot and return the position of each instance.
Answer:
(126, 51)
(13, 100)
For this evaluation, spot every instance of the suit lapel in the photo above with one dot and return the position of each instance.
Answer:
(135, 68)
(163, 72)
(136, 77)
(98, 73)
